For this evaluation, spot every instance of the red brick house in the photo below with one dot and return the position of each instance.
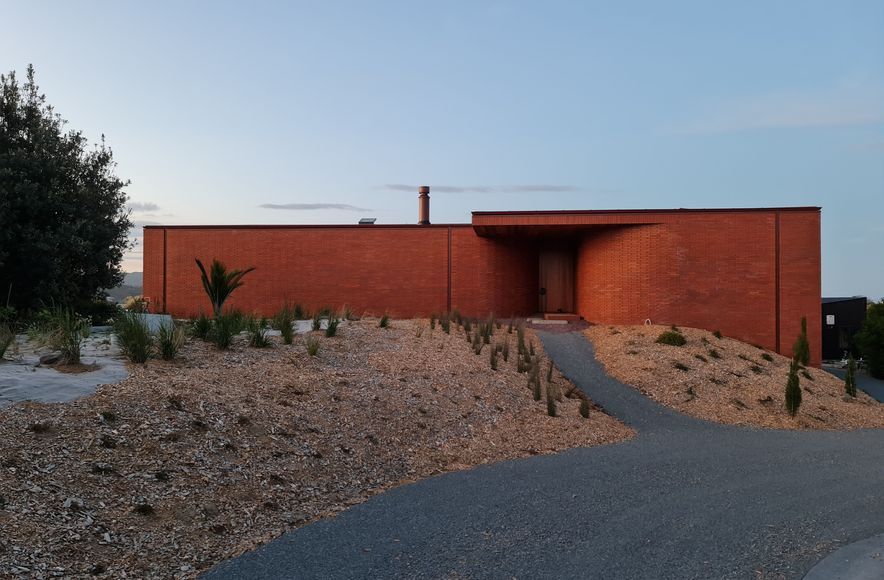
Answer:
(751, 273)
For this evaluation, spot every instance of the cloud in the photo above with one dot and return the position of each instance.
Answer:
(139, 206)
(313, 206)
(843, 105)
(485, 188)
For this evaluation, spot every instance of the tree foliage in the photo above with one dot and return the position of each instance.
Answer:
(793, 389)
(870, 339)
(63, 220)
(219, 283)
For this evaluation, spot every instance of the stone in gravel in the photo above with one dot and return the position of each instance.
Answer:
(50, 359)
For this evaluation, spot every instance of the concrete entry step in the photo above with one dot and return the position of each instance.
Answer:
(546, 321)
(566, 316)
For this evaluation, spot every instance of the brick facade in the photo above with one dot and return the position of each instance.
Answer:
(750, 273)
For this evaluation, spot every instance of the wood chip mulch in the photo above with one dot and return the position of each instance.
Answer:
(187, 463)
(740, 388)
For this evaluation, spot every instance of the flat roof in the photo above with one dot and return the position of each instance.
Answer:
(669, 210)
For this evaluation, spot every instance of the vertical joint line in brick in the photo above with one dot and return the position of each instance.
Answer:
(165, 253)
(449, 270)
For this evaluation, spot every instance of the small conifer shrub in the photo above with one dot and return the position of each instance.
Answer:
(801, 348)
(850, 378)
(672, 338)
(584, 408)
(793, 389)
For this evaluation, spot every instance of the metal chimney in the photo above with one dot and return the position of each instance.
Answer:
(423, 205)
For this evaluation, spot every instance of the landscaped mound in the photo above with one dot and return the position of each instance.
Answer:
(187, 463)
(725, 380)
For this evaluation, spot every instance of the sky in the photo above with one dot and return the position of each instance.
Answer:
(326, 112)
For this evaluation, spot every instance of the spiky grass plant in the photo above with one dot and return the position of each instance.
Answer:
(793, 389)
(494, 355)
(850, 378)
(531, 348)
(312, 345)
(317, 321)
(506, 351)
(283, 321)
(169, 340)
(445, 323)
(300, 313)
(714, 353)
(331, 328)
(133, 336)
(433, 321)
(257, 329)
(347, 313)
(536, 390)
(549, 372)
(201, 327)
(384, 321)
(67, 334)
(509, 328)
(520, 334)
(717, 334)
(551, 403)
(467, 324)
(219, 283)
(584, 408)
(477, 343)
(766, 356)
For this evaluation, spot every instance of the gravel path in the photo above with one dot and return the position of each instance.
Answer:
(683, 499)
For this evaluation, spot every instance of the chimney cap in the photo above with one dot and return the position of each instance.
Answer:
(423, 189)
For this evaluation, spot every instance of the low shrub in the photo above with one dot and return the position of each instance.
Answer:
(584, 408)
(257, 329)
(312, 344)
(384, 321)
(170, 338)
(201, 327)
(133, 336)
(681, 367)
(331, 328)
(283, 321)
(714, 353)
(672, 338)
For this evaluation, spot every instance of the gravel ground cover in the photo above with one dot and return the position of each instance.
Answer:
(727, 381)
(184, 464)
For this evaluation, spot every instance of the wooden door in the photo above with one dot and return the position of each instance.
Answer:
(556, 281)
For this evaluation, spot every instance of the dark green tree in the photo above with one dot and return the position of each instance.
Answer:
(850, 379)
(793, 389)
(870, 339)
(64, 225)
(801, 348)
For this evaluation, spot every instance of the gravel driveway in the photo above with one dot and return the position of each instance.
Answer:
(683, 499)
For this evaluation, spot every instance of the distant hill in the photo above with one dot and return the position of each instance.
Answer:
(131, 286)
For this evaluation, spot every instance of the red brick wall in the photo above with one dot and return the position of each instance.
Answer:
(715, 270)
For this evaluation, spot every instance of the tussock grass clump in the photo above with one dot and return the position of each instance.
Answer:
(531, 348)
(433, 321)
(549, 372)
(700, 357)
(717, 334)
(312, 345)
(744, 357)
(225, 328)
(672, 338)
(445, 323)
(134, 336)
(478, 344)
(300, 313)
(682, 367)
(201, 327)
(714, 353)
(494, 355)
(170, 338)
(584, 408)
(766, 356)
(509, 327)
(317, 321)
(68, 329)
(551, 403)
(506, 351)
(283, 321)
(756, 369)
(384, 322)
(257, 329)
(332, 328)
(347, 313)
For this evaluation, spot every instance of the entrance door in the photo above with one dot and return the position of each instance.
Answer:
(556, 281)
